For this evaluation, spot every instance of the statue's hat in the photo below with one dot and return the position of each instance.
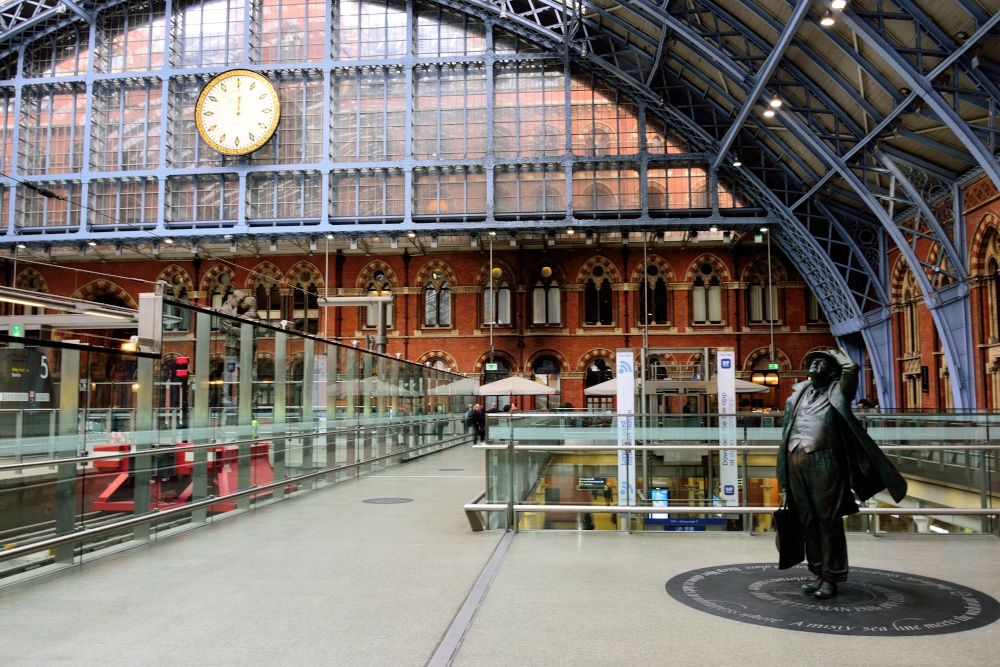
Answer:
(835, 365)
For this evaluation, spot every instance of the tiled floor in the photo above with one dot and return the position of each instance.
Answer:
(327, 579)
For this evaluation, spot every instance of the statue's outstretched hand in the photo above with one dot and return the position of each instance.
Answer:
(841, 356)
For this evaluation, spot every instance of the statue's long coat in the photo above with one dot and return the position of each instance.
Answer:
(869, 469)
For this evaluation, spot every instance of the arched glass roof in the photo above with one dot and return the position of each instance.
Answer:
(884, 115)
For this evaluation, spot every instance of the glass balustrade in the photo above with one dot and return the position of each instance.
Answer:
(102, 446)
(566, 471)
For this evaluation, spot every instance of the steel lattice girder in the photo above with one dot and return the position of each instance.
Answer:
(873, 183)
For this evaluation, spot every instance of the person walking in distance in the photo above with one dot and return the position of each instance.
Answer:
(478, 423)
(825, 454)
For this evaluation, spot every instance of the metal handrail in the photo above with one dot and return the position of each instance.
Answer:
(615, 447)
(157, 514)
(734, 509)
(167, 448)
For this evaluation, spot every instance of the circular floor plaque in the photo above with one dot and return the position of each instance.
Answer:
(872, 602)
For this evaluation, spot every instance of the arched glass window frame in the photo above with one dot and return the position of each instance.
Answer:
(498, 297)
(653, 289)
(762, 297)
(437, 306)
(706, 299)
(377, 283)
(598, 299)
(546, 302)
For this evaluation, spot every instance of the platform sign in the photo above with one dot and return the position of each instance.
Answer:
(25, 379)
(728, 470)
(625, 363)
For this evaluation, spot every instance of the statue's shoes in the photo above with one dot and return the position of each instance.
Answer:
(826, 590)
(812, 586)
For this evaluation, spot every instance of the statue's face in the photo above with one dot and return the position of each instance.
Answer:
(821, 371)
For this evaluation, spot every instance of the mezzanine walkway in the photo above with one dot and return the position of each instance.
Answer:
(327, 579)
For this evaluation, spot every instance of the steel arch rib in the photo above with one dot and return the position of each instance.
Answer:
(941, 303)
(920, 84)
(774, 58)
(957, 261)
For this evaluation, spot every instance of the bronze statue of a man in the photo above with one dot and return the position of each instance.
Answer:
(825, 454)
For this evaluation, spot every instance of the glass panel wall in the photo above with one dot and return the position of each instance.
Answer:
(229, 413)
(561, 471)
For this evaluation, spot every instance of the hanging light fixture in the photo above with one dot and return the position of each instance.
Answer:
(775, 102)
(736, 161)
(827, 19)
(839, 4)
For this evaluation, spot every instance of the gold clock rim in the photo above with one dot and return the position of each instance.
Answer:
(228, 74)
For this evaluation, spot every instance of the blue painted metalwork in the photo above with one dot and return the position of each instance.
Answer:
(762, 77)
(854, 161)
(931, 96)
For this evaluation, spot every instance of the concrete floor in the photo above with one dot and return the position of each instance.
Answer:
(327, 579)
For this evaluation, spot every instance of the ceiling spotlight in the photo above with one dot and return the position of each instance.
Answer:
(411, 233)
(775, 102)
(736, 161)
(763, 230)
(827, 19)
(768, 112)
(91, 243)
(492, 232)
(838, 4)
(713, 228)
(21, 246)
(570, 230)
(330, 236)
(168, 241)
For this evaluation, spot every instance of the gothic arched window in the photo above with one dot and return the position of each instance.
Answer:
(762, 295)
(546, 370)
(706, 296)
(305, 302)
(437, 300)
(654, 306)
(598, 301)
(497, 299)
(546, 299)
(378, 284)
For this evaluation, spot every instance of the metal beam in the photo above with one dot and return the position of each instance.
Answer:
(926, 90)
(762, 77)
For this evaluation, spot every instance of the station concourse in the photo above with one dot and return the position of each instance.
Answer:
(328, 579)
(419, 191)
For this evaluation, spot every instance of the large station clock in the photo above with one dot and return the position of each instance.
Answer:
(237, 112)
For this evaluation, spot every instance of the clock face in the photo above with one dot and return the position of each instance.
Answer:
(237, 112)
